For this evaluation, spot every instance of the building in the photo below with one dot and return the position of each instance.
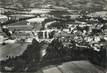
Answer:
(44, 35)
(20, 26)
(36, 22)
(20, 30)
(97, 14)
(3, 36)
(39, 11)
(3, 18)
(20, 16)
(2, 10)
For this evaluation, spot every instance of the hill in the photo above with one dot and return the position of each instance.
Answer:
(71, 4)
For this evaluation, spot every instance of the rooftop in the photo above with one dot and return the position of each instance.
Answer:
(38, 20)
(39, 11)
(18, 23)
(3, 18)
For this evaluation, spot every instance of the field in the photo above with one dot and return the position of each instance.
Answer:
(12, 50)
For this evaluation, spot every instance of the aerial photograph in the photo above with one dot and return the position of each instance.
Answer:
(53, 36)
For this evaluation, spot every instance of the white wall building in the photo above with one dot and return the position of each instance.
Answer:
(3, 18)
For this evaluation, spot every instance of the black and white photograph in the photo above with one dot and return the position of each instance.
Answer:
(53, 36)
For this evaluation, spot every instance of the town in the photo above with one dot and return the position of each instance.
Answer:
(34, 38)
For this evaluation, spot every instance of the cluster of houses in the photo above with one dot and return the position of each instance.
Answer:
(31, 28)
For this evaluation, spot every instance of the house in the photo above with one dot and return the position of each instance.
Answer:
(36, 22)
(20, 26)
(20, 16)
(3, 18)
(39, 11)
(2, 37)
(97, 14)
(2, 10)
(44, 35)
(21, 30)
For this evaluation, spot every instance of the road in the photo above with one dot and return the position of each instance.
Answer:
(11, 50)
